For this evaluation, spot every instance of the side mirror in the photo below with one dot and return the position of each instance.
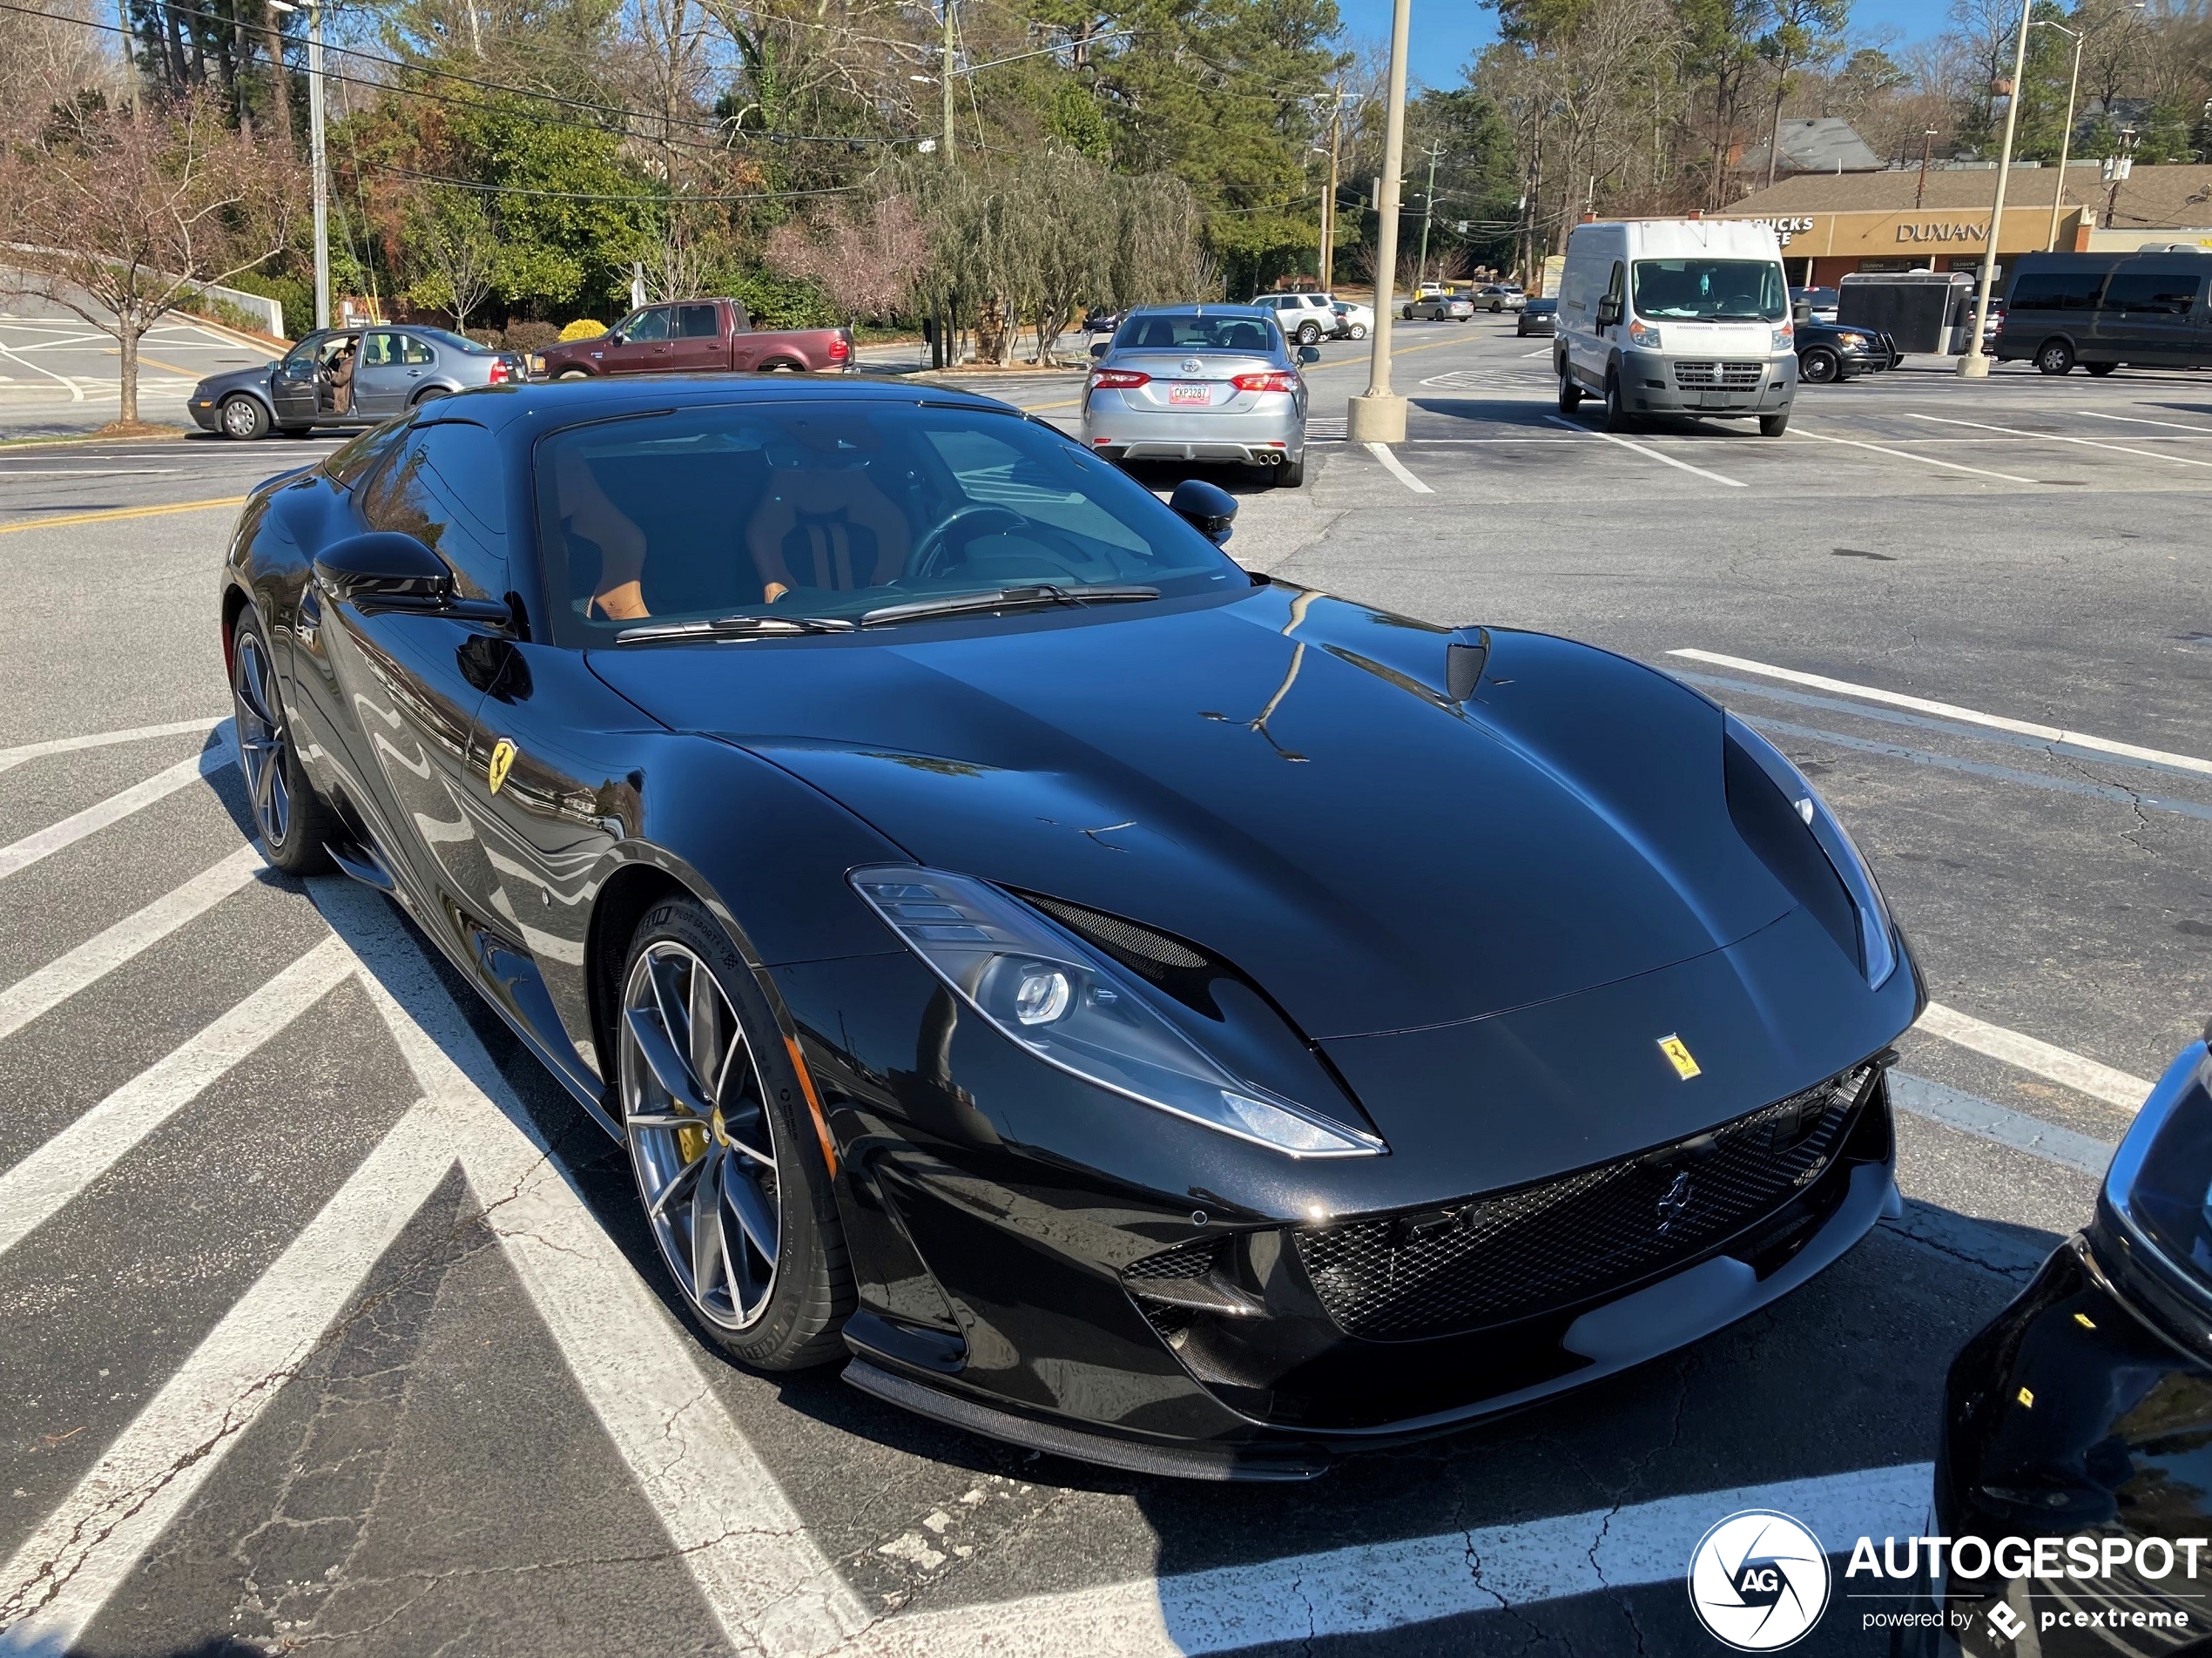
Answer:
(1309, 354)
(1608, 311)
(616, 337)
(386, 570)
(1100, 347)
(1207, 507)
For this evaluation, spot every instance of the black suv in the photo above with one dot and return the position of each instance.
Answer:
(1830, 351)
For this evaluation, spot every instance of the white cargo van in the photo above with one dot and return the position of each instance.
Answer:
(1676, 316)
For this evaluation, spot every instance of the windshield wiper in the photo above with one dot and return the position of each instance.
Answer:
(1002, 597)
(735, 627)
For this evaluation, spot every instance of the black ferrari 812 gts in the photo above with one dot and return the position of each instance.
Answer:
(1113, 1001)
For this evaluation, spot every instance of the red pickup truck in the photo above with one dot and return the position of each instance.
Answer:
(696, 333)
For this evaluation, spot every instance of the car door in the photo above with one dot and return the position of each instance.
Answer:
(292, 381)
(696, 336)
(404, 683)
(380, 381)
(2150, 314)
(643, 343)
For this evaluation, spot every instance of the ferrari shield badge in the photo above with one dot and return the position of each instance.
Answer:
(1676, 1049)
(503, 761)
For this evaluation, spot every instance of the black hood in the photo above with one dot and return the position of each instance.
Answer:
(1280, 778)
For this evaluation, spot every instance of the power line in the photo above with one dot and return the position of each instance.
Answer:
(672, 199)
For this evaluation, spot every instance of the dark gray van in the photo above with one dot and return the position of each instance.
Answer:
(2101, 310)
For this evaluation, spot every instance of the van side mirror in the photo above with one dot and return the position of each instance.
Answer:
(1309, 354)
(1609, 311)
(1207, 507)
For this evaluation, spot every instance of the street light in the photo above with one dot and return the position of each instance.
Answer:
(316, 167)
(1378, 416)
(2066, 133)
(1973, 365)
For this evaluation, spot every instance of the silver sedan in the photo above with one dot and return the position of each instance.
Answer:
(1215, 382)
(347, 377)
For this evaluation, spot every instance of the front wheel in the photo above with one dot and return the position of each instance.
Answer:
(290, 817)
(1570, 395)
(1820, 365)
(1774, 425)
(2054, 357)
(1617, 418)
(730, 1161)
(1359, 331)
(243, 417)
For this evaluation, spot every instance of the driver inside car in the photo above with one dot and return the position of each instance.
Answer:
(823, 522)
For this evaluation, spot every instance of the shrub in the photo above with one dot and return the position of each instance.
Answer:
(295, 293)
(582, 329)
(531, 336)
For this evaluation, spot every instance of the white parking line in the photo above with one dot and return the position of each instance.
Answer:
(21, 854)
(2139, 420)
(1397, 469)
(60, 1169)
(1374, 1587)
(2060, 438)
(59, 979)
(769, 1586)
(7, 471)
(1952, 710)
(1733, 483)
(1928, 460)
(2059, 1065)
(15, 757)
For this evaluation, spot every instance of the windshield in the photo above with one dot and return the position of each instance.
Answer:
(821, 509)
(1191, 330)
(1711, 290)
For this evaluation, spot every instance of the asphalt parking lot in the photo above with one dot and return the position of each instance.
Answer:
(297, 1364)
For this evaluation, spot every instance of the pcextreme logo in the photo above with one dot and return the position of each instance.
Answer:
(1758, 1580)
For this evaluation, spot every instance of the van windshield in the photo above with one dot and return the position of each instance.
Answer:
(1709, 290)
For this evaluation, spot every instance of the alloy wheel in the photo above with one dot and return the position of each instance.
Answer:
(261, 739)
(700, 1137)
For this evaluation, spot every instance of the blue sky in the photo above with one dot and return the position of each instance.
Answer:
(1447, 33)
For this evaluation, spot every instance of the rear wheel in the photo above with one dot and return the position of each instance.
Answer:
(244, 418)
(728, 1157)
(1290, 474)
(291, 817)
(428, 394)
(1308, 332)
(296, 431)
(1820, 364)
(1570, 395)
(1774, 425)
(2100, 369)
(1359, 331)
(2054, 356)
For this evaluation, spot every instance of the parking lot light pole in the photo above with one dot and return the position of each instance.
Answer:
(2066, 133)
(1377, 416)
(1975, 365)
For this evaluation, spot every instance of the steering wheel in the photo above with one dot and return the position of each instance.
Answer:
(985, 518)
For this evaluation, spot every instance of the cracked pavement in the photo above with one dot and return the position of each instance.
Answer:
(431, 1478)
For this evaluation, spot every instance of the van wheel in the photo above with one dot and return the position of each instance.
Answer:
(2054, 356)
(1617, 406)
(1774, 425)
(2100, 369)
(1570, 395)
(1820, 365)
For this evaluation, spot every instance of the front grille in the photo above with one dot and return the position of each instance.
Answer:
(1716, 373)
(1549, 1244)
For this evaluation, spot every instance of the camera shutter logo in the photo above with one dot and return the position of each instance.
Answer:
(1758, 1580)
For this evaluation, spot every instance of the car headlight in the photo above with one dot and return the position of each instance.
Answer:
(1642, 333)
(1877, 953)
(1081, 1012)
(1853, 339)
(2159, 1189)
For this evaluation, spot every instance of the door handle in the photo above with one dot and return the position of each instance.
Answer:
(414, 374)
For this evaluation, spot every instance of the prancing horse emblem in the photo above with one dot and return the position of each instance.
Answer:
(1675, 1204)
(503, 761)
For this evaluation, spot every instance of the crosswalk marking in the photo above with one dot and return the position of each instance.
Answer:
(35, 1189)
(57, 981)
(22, 854)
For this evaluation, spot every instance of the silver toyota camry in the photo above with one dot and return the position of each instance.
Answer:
(1214, 382)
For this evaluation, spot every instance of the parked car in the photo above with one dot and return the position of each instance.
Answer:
(2083, 1409)
(1440, 305)
(885, 829)
(1538, 316)
(2101, 310)
(1496, 296)
(1100, 321)
(1215, 382)
(1817, 304)
(1676, 316)
(1303, 317)
(1354, 321)
(1827, 352)
(392, 370)
(695, 334)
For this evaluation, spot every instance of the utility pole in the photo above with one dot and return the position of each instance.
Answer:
(1975, 365)
(129, 39)
(1428, 212)
(1928, 149)
(944, 80)
(315, 158)
(1378, 416)
(1329, 201)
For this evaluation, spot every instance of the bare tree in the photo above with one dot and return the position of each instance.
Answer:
(123, 219)
(452, 237)
(54, 57)
(865, 258)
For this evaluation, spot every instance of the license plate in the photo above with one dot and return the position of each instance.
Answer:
(1712, 399)
(1184, 392)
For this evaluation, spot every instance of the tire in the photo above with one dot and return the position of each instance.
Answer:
(1359, 331)
(243, 417)
(1570, 395)
(1774, 425)
(1820, 365)
(779, 366)
(756, 1139)
(292, 821)
(1308, 332)
(2054, 357)
(2100, 369)
(573, 373)
(1617, 418)
(428, 394)
(1290, 474)
(1406, 315)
